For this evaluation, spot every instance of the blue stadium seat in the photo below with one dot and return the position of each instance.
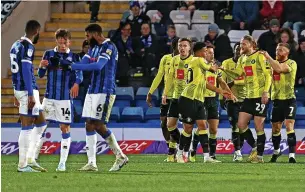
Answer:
(300, 104)
(77, 104)
(300, 123)
(152, 113)
(133, 113)
(300, 113)
(121, 104)
(144, 105)
(115, 114)
(124, 93)
(300, 93)
(223, 115)
(142, 93)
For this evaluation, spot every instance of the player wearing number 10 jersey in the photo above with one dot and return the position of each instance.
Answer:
(257, 76)
(283, 97)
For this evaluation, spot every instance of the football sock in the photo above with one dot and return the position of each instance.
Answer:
(236, 139)
(276, 140)
(241, 140)
(174, 134)
(24, 143)
(113, 144)
(36, 134)
(248, 136)
(65, 147)
(212, 144)
(165, 131)
(172, 148)
(261, 140)
(195, 143)
(291, 140)
(184, 139)
(91, 140)
(204, 140)
(40, 143)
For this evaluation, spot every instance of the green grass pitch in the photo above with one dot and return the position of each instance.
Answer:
(150, 173)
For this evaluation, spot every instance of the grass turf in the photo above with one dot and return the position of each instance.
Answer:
(150, 173)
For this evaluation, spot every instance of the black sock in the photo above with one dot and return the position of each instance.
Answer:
(187, 144)
(291, 140)
(212, 145)
(171, 148)
(204, 142)
(167, 143)
(165, 131)
(276, 140)
(175, 135)
(241, 140)
(184, 140)
(195, 144)
(261, 140)
(236, 140)
(248, 136)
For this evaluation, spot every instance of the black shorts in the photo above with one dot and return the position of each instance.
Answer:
(164, 108)
(233, 110)
(191, 110)
(283, 109)
(211, 107)
(173, 110)
(254, 107)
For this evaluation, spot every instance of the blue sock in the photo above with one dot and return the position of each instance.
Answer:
(107, 134)
(65, 135)
(88, 133)
(27, 127)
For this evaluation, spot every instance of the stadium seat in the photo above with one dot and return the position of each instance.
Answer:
(115, 114)
(221, 31)
(144, 105)
(203, 28)
(151, 13)
(121, 104)
(303, 33)
(143, 91)
(133, 113)
(300, 123)
(180, 29)
(181, 17)
(152, 113)
(124, 93)
(195, 35)
(236, 35)
(296, 36)
(300, 113)
(257, 33)
(223, 115)
(300, 104)
(202, 17)
(300, 93)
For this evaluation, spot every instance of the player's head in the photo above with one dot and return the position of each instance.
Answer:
(63, 37)
(236, 50)
(93, 34)
(209, 54)
(199, 49)
(184, 47)
(247, 44)
(32, 29)
(175, 46)
(282, 51)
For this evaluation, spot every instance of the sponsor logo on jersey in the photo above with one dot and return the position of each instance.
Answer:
(252, 61)
(30, 52)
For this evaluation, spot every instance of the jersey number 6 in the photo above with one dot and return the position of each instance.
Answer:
(14, 64)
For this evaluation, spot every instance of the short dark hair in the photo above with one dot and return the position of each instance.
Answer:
(31, 27)
(284, 45)
(146, 23)
(85, 43)
(94, 28)
(185, 39)
(198, 46)
(64, 33)
(175, 43)
(171, 27)
(123, 24)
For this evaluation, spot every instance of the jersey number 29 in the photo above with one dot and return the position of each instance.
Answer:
(14, 64)
(260, 107)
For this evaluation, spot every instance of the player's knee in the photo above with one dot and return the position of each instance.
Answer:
(65, 128)
(89, 126)
(171, 123)
(289, 124)
(26, 121)
(201, 125)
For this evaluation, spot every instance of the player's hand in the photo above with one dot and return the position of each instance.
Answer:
(265, 98)
(148, 100)
(43, 64)
(265, 53)
(233, 98)
(31, 102)
(16, 102)
(226, 94)
(221, 68)
(214, 68)
(74, 90)
(164, 98)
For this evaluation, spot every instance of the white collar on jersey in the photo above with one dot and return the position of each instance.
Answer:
(106, 40)
(56, 50)
(27, 39)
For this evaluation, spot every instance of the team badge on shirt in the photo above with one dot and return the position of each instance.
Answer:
(252, 61)
(30, 52)
(186, 66)
(108, 51)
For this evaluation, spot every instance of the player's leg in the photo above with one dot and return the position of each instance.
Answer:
(40, 144)
(64, 146)
(289, 123)
(213, 126)
(185, 140)
(277, 121)
(195, 143)
(163, 118)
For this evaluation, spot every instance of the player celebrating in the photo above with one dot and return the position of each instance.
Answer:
(176, 80)
(238, 88)
(27, 95)
(211, 105)
(163, 71)
(101, 95)
(257, 75)
(283, 97)
(62, 86)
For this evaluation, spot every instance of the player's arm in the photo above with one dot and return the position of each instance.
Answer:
(238, 71)
(217, 90)
(43, 65)
(169, 82)
(268, 79)
(276, 66)
(79, 79)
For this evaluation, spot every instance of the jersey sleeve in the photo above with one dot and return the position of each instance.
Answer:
(157, 80)
(203, 65)
(266, 71)
(292, 66)
(28, 53)
(170, 77)
(238, 71)
(108, 52)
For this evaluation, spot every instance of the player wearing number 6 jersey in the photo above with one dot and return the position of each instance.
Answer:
(62, 87)
(102, 60)
(27, 95)
(257, 76)
(283, 97)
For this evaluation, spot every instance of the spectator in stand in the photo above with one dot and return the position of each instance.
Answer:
(94, 7)
(272, 9)
(136, 19)
(160, 22)
(147, 49)
(245, 15)
(267, 40)
(188, 5)
(124, 44)
(299, 57)
(294, 15)
(286, 35)
(168, 38)
(221, 43)
(85, 49)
